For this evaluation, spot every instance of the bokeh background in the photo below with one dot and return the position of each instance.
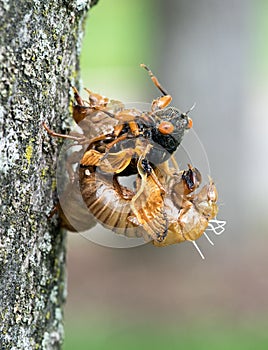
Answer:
(214, 53)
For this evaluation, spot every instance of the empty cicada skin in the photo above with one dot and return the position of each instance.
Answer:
(189, 221)
(124, 211)
(181, 214)
(73, 212)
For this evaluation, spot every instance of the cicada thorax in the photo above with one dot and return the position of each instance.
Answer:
(162, 128)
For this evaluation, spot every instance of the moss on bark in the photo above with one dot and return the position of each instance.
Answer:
(40, 43)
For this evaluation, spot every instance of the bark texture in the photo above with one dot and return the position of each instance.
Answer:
(39, 49)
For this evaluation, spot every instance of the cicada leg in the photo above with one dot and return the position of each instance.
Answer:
(77, 97)
(118, 139)
(110, 162)
(154, 79)
(124, 192)
(147, 205)
(79, 139)
(84, 108)
(162, 101)
(91, 158)
(174, 163)
(97, 100)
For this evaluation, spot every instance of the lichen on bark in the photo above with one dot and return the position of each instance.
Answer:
(40, 43)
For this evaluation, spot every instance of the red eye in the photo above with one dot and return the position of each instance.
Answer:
(166, 128)
(190, 123)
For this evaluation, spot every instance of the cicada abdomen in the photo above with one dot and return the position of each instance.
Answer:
(122, 210)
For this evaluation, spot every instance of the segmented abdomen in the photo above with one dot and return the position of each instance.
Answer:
(114, 209)
(106, 204)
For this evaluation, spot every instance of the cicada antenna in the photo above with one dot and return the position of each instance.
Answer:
(190, 110)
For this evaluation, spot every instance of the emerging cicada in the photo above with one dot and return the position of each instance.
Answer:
(164, 205)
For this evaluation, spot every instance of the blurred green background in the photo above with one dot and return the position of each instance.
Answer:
(214, 53)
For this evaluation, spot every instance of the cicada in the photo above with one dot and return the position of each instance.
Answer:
(120, 142)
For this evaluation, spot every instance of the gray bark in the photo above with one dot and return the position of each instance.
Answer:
(39, 60)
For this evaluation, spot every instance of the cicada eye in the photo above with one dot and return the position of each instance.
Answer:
(190, 123)
(165, 128)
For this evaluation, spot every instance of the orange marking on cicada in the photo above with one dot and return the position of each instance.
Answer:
(166, 128)
(117, 129)
(134, 128)
(190, 123)
(161, 102)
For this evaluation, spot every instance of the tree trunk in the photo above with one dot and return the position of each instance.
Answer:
(40, 44)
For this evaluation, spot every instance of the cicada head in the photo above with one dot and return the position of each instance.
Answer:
(170, 126)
